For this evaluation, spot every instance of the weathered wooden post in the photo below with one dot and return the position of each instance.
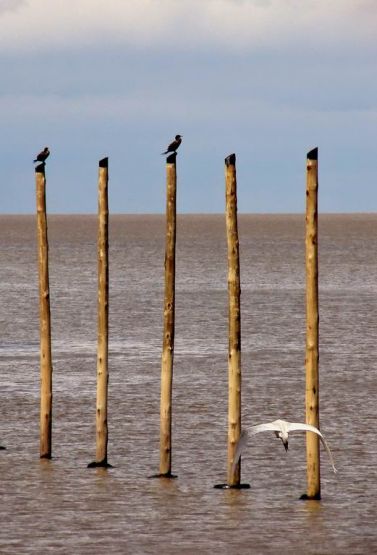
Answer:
(234, 349)
(45, 317)
(169, 312)
(312, 327)
(103, 317)
(234, 295)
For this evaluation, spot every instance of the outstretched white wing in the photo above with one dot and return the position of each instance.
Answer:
(275, 426)
(270, 427)
(240, 447)
(293, 426)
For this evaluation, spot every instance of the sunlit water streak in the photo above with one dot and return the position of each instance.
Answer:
(60, 506)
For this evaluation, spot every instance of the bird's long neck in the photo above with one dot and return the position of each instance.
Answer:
(284, 439)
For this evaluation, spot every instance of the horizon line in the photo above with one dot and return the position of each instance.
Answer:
(189, 213)
(262, 213)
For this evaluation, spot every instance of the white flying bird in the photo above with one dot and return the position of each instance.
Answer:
(281, 428)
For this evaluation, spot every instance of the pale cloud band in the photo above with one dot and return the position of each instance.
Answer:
(246, 24)
(11, 5)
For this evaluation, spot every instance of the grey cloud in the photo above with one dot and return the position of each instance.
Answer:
(263, 3)
(11, 5)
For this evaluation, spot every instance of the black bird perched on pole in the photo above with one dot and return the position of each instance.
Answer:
(174, 145)
(41, 157)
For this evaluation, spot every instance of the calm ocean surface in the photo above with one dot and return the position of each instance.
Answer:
(61, 507)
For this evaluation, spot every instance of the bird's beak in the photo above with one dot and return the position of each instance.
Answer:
(285, 445)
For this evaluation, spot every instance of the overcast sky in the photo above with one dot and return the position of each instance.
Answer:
(266, 79)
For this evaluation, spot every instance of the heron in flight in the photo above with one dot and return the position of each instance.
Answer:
(282, 428)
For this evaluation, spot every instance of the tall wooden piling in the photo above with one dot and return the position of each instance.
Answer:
(312, 327)
(234, 296)
(103, 317)
(169, 313)
(45, 317)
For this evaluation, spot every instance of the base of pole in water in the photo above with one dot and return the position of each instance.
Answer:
(168, 475)
(102, 464)
(227, 486)
(306, 497)
(2, 448)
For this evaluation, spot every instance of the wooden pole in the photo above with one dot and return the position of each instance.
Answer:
(312, 327)
(103, 317)
(234, 295)
(234, 349)
(45, 318)
(169, 312)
